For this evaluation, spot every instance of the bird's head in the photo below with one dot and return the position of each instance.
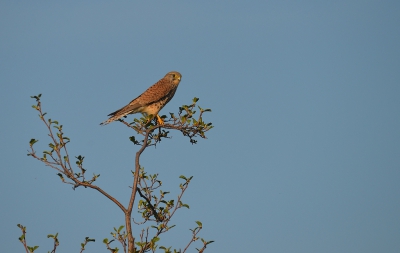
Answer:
(174, 77)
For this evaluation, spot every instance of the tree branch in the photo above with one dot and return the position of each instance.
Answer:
(185, 123)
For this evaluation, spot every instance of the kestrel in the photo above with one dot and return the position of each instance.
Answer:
(152, 100)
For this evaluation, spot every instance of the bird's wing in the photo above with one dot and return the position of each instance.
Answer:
(154, 93)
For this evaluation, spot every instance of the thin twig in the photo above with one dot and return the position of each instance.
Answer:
(151, 206)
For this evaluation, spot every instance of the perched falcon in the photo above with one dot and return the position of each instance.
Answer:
(152, 100)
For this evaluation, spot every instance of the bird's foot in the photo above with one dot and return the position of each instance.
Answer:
(160, 120)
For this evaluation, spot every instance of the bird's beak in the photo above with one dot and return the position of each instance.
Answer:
(179, 78)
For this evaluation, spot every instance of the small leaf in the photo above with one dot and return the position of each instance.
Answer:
(120, 228)
(32, 141)
(155, 239)
(183, 177)
(61, 177)
(199, 223)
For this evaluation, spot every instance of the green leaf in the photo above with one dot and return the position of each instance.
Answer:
(32, 141)
(195, 99)
(199, 224)
(155, 239)
(61, 176)
(105, 240)
(120, 228)
(183, 177)
(133, 139)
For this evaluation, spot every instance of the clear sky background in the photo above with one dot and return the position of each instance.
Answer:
(305, 153)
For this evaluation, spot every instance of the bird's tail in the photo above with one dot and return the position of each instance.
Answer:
(128, 109)
(114, 116)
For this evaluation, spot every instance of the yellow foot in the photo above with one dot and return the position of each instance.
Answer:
(159, 120)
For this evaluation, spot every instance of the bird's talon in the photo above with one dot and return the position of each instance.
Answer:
(160, 120)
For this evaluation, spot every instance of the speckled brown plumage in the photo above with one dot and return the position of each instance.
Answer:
(152, 100)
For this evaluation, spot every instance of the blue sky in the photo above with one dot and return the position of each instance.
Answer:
(305, 153)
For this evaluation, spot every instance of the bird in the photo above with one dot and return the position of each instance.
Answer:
(152, 100)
